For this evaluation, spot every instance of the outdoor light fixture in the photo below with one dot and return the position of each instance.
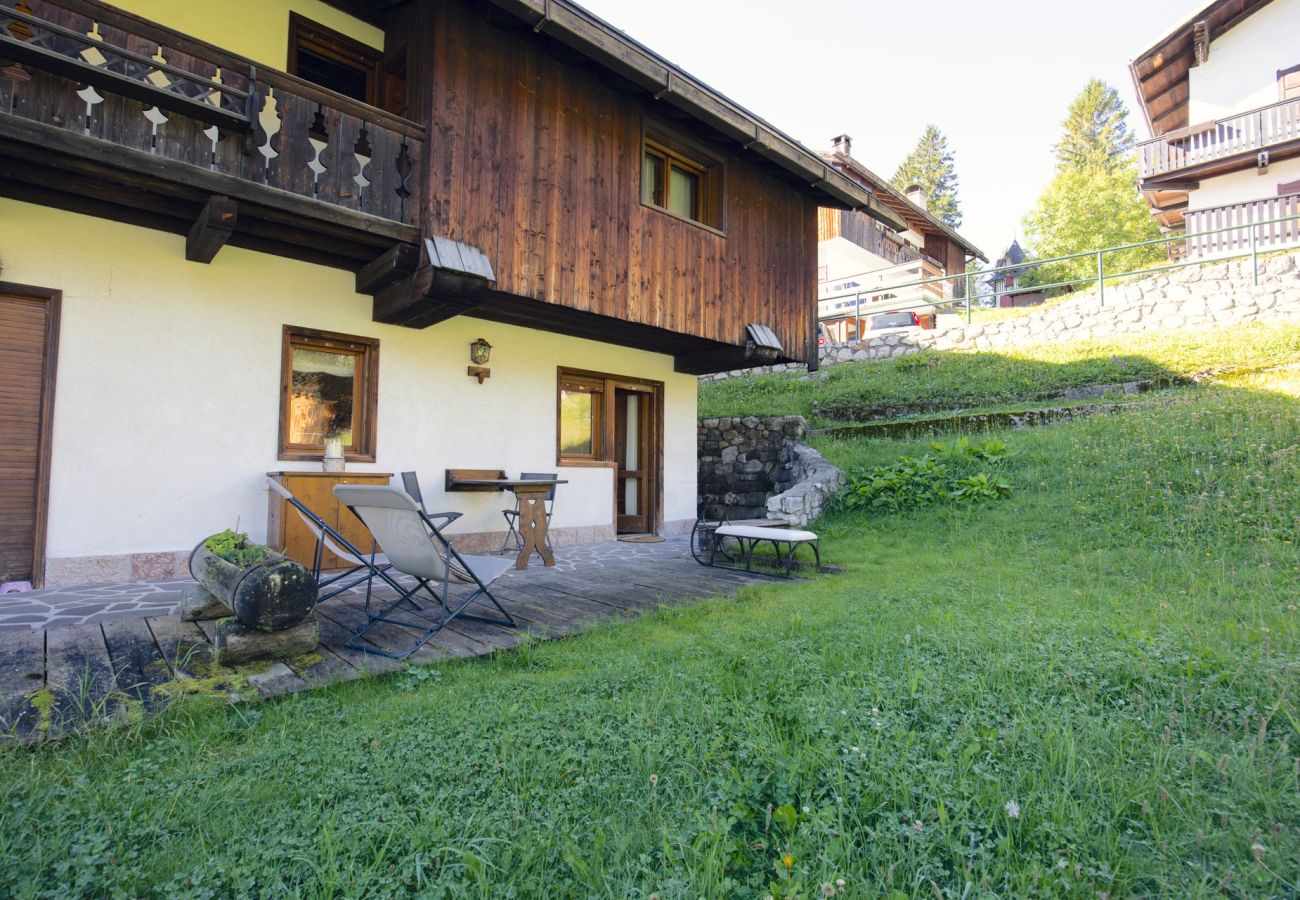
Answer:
(479, 353)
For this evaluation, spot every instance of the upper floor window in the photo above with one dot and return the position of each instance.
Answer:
(1288, 83)
(681, 181)
(328, 389)
(333, 60)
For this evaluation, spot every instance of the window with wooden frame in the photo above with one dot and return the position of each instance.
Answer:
(579, 406)
(329, 385)
(681, 180)
(332, 60)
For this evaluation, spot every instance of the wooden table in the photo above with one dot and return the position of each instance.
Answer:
(531, 494)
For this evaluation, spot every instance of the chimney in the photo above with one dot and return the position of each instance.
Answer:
(916, 194)
(843, 145)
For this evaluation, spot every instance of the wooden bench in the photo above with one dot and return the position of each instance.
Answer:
(710, 548)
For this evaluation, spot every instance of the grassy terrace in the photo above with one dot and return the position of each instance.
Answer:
(934, 380)
(1088, 689)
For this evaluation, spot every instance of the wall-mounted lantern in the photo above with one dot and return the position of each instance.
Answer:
(479, 353)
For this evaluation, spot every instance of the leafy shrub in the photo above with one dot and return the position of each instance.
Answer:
(943, 475)
(235, 548)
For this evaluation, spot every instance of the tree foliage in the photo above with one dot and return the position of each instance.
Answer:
(1092, 202)
(931, 166)
(1095, 131)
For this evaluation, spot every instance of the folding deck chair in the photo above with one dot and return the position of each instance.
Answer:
(416, 547)
(362, 566)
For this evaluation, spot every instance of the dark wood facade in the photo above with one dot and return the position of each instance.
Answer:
(535, 159)
(517, 146)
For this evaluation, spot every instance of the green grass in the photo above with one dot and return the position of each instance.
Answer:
(954, 380)
(1113, 650)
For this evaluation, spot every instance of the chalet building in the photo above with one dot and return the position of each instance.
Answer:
(1221, 98)
(233, 233)
(1004, 284)
(861, 254)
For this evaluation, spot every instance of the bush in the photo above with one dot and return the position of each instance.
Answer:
(943, 475)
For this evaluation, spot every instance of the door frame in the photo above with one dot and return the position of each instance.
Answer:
(45, 435)
(604, 457)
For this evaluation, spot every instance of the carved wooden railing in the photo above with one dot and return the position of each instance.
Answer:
(1272, 235)
(1249, 132)
(88, 68)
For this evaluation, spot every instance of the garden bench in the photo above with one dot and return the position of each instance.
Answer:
(726, 544)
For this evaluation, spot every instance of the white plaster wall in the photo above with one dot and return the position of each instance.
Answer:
(1241, 73)
(1244, 185)
(167, 400)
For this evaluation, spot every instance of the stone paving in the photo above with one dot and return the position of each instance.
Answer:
(86, 604)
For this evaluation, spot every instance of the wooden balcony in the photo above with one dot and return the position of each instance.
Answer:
(1240, 217)
(110, 114)
(1222, 145)
(865, 233)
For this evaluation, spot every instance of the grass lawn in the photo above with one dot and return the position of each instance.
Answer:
(933, 380)
(1088, 689)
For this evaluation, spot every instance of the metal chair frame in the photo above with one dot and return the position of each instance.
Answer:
(426, 630)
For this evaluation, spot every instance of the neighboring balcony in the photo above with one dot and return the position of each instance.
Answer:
(1223, 145)
(862, 231)
(1241, 219)
(109, 114)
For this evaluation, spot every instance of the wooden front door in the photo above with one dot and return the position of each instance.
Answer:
(636, 451)
(29, 328)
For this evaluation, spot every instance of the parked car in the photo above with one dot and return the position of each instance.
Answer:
(894, 320)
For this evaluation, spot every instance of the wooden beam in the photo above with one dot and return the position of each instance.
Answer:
(428, 297)
(211, 229)
(397, 263)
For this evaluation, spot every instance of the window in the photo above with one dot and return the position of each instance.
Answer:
(333, 60)
(1288, 83)
(328, 388)
(580, 406)
(682, 184)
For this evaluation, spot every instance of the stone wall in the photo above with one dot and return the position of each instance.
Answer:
(752, 468)
(1193, 297)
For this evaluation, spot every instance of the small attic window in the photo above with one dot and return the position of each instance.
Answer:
(679, 179)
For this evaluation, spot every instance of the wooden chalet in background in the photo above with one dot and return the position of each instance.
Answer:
(1220, 94)
(864, 259)
(516, 170)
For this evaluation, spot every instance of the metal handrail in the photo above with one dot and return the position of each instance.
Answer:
(1099, 279)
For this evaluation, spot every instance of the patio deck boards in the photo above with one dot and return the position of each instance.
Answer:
(55, 680)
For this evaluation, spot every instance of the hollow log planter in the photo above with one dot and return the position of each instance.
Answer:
(272, 602)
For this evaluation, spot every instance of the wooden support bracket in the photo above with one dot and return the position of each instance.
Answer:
(388, 269)
(211, 229)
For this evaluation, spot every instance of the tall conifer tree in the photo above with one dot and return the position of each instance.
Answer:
(931, 166)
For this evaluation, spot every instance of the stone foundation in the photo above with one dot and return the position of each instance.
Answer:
(170, 565)
(751, 468)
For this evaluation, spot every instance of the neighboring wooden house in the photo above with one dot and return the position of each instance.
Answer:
(230, 231)
(862, 254)
(1004, 283)
(1221, 98)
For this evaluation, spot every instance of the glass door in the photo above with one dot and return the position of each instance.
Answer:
(634, 452)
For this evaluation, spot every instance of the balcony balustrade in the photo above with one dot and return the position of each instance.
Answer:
(1234, 136)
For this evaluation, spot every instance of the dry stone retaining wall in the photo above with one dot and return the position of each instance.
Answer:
(752, 468)
(1193, 297)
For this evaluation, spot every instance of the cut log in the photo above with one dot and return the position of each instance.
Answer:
(275, 594)
(198, 604)
(237, 644)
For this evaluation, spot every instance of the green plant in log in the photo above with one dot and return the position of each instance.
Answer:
(235, 548)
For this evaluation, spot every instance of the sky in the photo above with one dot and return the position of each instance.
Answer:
(996, 77)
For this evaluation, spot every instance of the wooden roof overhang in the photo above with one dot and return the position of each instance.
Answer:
(1160, 73)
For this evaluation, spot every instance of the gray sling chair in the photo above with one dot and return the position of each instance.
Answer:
(416, 547)
(514, 540)
(362, 566)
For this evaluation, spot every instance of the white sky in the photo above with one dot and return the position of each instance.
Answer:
(995, 76)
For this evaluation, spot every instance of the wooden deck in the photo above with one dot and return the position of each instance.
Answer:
(56, 680)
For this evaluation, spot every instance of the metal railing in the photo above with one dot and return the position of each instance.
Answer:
(1246, 132)
(1259, 241)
